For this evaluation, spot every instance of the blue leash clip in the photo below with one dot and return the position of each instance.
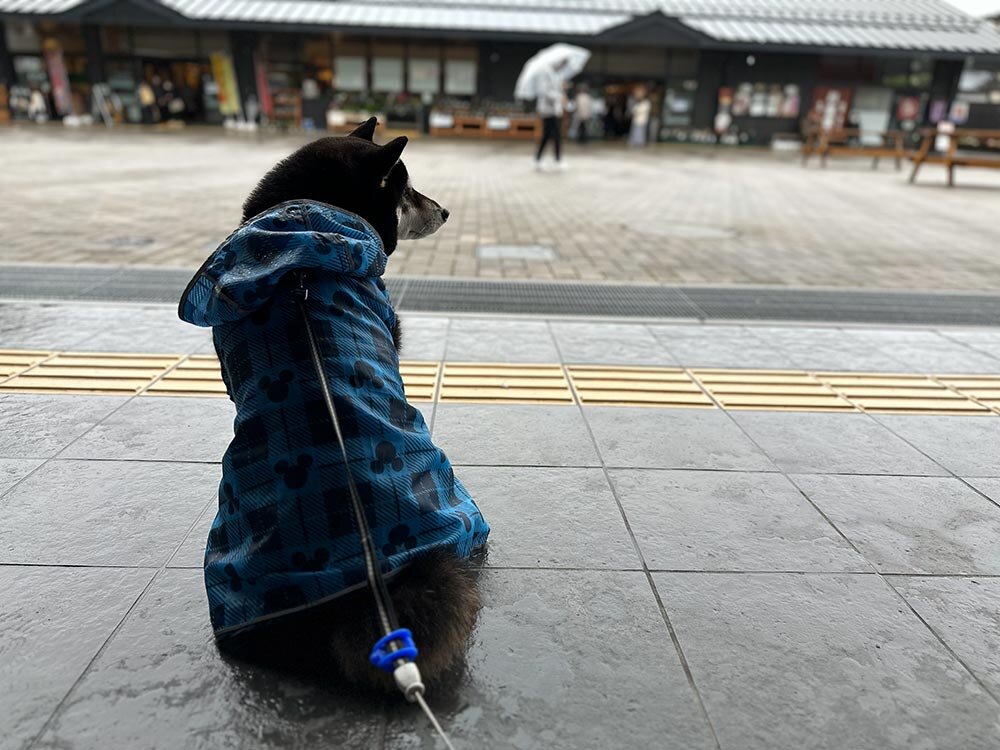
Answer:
(385, 659)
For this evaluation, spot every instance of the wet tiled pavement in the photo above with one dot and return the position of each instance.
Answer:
(665, 578)
(670, 214)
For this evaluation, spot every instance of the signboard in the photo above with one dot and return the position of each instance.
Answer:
(59, 80)
(263, 88)
(830, 107)
(225, 79)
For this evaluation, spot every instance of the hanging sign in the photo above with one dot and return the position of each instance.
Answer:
(225, 79)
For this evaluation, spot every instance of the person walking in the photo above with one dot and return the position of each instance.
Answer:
(641, 109)
(549, 107)
(584, 111)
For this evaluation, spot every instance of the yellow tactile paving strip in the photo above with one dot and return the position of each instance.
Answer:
(31, 371)
(504, 383)
(636, 386)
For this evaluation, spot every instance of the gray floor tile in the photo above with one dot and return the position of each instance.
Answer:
(41, 426)
(104, 512)
(48, 327)
(972, 335)
(821, 661)
(720, 346)
(191, 553)
(54, 620)
(427, 411)
(514, 435)
(912, 524)
(988, 486)
(832, 443)
(165, 429)
(497, 340)
(13, 470)
(424, 337)
(968, 446)
(990, 349)
(565, 660)
(963, 612)
(154, 330)
(946, 357)
(693, 520)
(828, 349)
(673, 439)
(609, 343)
(161, 683)
(550, 517)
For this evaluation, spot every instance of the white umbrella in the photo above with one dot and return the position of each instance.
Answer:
(547, 60)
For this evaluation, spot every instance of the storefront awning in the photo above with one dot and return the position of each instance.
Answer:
(982, 38)
(874, 25)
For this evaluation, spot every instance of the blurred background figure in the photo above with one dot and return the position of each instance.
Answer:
(38, 107)
(147, 103)
(641, 107)
(543, 79)
(582, 112)
(549, 107)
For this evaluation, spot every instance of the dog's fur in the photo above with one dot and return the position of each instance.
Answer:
(435, 596)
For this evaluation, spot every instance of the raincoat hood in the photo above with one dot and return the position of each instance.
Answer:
(245, 270)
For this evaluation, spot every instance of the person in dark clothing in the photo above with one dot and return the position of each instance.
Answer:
(550, 110)
(551, 131)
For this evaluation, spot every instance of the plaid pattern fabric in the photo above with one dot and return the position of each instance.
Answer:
(284, 537)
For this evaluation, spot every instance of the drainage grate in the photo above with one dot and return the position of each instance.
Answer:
(845, 306)
(638, 386)
(545, 298)
(485, 383)
(482, 296)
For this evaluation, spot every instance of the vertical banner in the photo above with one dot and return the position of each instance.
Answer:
(225, 79)
(263, 87)
(59, 80)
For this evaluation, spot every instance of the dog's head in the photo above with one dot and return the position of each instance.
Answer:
(355, 174)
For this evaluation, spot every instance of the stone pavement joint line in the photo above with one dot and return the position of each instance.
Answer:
(63, 372)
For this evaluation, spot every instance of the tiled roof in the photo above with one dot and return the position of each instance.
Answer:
(927, 25)
(979, 39)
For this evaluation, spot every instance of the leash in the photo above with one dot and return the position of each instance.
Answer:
(395, 651)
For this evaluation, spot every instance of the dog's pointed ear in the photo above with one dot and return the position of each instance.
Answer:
(387, 156)
(366, 129)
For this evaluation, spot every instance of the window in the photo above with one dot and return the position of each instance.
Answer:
(387, 74)
(425, 76)
(460, 77)
(349, 72)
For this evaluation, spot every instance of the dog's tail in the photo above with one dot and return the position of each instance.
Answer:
(435, 596)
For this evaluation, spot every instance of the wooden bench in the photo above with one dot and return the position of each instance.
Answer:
(951, 157)
(848, 142)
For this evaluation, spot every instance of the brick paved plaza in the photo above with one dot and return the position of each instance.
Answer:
(671, 214)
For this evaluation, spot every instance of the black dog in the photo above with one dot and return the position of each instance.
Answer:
(435, 596)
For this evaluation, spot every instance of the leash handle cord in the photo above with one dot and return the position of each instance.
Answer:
(403, 666)
(383, 602)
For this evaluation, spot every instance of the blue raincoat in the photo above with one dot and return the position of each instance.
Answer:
(284, 537)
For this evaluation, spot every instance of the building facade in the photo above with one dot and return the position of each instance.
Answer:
(739, 72)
